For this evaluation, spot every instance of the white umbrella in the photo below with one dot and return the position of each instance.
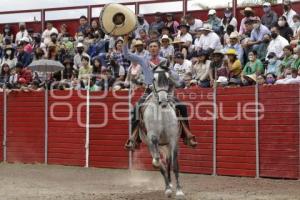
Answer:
(46, 66)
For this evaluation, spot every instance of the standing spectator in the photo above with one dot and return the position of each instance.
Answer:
(80, 53)
(171, 23)
(288, 12)
(84, 25)
(209, 40)
(182, 66)
(277, 43)
(214, 21)
(46, 34)
(142, 25)
(139, 48)
(248, 12)
(273, 64)
(234, 44)
(254, 65)
(9, 57)
(200, 70)
(229, 19)
(22, 32)
(158, 22)
(23, 57)
(269, 19)
(166, 49)
(193, 23)
(284, 29)
(234, 65)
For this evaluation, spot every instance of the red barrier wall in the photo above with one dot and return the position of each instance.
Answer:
(1, 125)
(235, 132)
(66, 138)
(279, 132)
(106, 142)
(236, 145)
(25, 127)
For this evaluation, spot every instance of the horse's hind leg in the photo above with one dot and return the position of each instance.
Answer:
(179, 193)
(164, 172)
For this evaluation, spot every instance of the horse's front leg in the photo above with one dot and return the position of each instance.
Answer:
(153, 148)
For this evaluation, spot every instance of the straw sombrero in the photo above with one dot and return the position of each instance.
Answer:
(117, 20)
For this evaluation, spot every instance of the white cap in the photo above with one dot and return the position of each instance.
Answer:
(212, 12)
(222, 79)
(207, 27)
(54, 31)
(267, 4)
(79, 45)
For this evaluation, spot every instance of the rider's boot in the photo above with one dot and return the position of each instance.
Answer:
(189, 138)
(133, 142)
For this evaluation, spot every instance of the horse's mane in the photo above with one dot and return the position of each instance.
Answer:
(162, 79)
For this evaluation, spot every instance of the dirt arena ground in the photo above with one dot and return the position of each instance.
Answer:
(39, 182)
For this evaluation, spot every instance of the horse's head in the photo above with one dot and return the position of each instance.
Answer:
(161, 83)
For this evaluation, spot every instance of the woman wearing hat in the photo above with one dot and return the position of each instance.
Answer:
(218, 67)
(9, 56)
(234, 64)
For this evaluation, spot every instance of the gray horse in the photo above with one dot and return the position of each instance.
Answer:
(162, 128)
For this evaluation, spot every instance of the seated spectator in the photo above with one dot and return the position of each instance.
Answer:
(172, 24)
(21, 72)
(7, 37)
(63, 32)
(27, 45)
(296, 27)
(234, 64)
(166, 49)
(217, 67)
(185, 36)
(158, 22)
(290, 77)
(296, 63)
(277, 43)
(200, 70)
(153, 35)
(284, 29)
(139, 48)
(22, 56)
(248, 13)
(209, 40)
(269, 19)
(254, 65)
(84, 25)
(5, 74)
(9, 56)
(181, 66)
(52, 53)
(263, 47)
(96, 29)
(229, 19)
(46, 34)
(68, 73)
(117, 72)
(249, 79)
(260, 79)
(80, 53)
(288, 12)
(22, 32)
(166, 31)
(142, 25)
(196, 43)
(38, 54)
(118, 56)
(235, 44)
(85, 70)
(98, 45)
(270, 78)
(143, 36)
(134, 77)
(229, 29)
(273, 64)
(214, 21)
(188, 80)
(288, 58)
(193, 23)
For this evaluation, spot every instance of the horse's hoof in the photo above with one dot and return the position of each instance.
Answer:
(180, 195)
(155, 163)
(168, 193)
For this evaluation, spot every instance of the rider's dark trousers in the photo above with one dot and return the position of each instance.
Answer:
(179, 106)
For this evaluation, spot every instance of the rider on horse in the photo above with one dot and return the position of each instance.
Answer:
(146, 63)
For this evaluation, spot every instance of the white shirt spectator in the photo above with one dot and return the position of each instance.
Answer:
(77, 60)
(186, 38)
(201, 71)
(289, 17)
(46, 35)
(276, 45)
(198, 24)
(184, 68)
(21, 35)
(211, 41)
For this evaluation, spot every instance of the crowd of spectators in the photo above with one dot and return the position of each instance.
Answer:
(220, 51)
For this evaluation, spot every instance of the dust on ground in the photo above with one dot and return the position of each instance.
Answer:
(41, 182)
